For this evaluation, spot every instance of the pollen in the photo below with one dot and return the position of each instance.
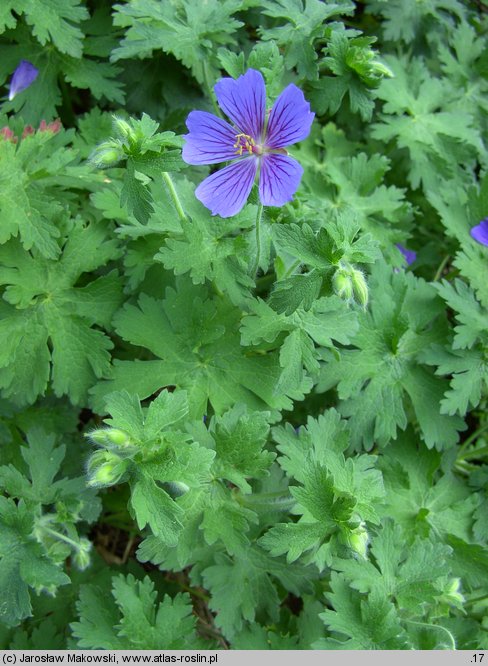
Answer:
(244, 142)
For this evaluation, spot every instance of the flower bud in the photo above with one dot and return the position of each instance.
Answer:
(342, 285)
(107, 154)
(360, 287)
(175, 488)
(451, 593)
(7, 134)
(381, 69)
(123, 129)
(358, 540)
(105, 468)
(81, 558)
(108, 437)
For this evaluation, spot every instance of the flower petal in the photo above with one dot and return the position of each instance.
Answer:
(225, 192)
(480, 232)
(290, 119)
(409, 255)
(24, 75)
(279, 179)
(211, 139)
(244, 101)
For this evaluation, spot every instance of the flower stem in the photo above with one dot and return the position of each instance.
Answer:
(442, 265)
(471, 439)
(292, 268)
(475, 453)
(439, 627)
(209, 89)
(259, 215)
(174, 196)
(62, 537)
(280, 502)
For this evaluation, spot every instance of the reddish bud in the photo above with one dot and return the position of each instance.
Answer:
(28, 130)
(53, 126)
(7, 134)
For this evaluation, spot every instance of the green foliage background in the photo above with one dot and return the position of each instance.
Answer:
(196, 457)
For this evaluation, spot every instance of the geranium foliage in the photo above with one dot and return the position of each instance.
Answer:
(243, 324)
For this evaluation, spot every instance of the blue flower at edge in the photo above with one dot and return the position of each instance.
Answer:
(480, 232)
(409, 255)
(254, 145)
(24, 75)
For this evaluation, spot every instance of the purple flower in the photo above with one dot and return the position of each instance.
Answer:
(254, 144)
(480, 232)
(410, 255)
(24, 75)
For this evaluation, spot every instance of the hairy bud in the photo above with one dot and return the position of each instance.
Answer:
(360, 287)
(81, 558)
(358, 540)
(381, 69)
(123, 129)
(451, 593)
(342, 285)
(110, 437)
(107, 154)
(105, 468)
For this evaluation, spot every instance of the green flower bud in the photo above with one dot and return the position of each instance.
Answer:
(105, 468)
(118, 437)
(358, 540)
(342, 284)
(123, 129)
(81, 557)
(360, 287)
(381, 69)
(107, 154)
(175, 488)
(452, 595)
(110, 437)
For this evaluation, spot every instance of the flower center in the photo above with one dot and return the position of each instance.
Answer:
(244, 142)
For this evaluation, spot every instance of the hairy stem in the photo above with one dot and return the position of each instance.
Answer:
(469, 441)
(442, 265)
(174, 196)
(282, 502)
(476, 453)
(438, 627)
(255, 266)
(62, 537)
(209, 89)
(292, 268)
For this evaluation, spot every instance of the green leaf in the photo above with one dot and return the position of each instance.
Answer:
(46, 303)
(244, 586)
(133, 618)
(422, 501)
(437, 140)
(405, 21)
(187, 31)
(41, 100)
(413, 575)
(164, 411)
(302, 22)
(154, 507)
(205, 359)
(324, 442)
(22, 563)
(371, 624)
(374, 379)
(207, 250)
(55, 20)
(240, 437)
(351, 60)
(135, 195)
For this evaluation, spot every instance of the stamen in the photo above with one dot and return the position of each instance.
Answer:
(244, 142)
